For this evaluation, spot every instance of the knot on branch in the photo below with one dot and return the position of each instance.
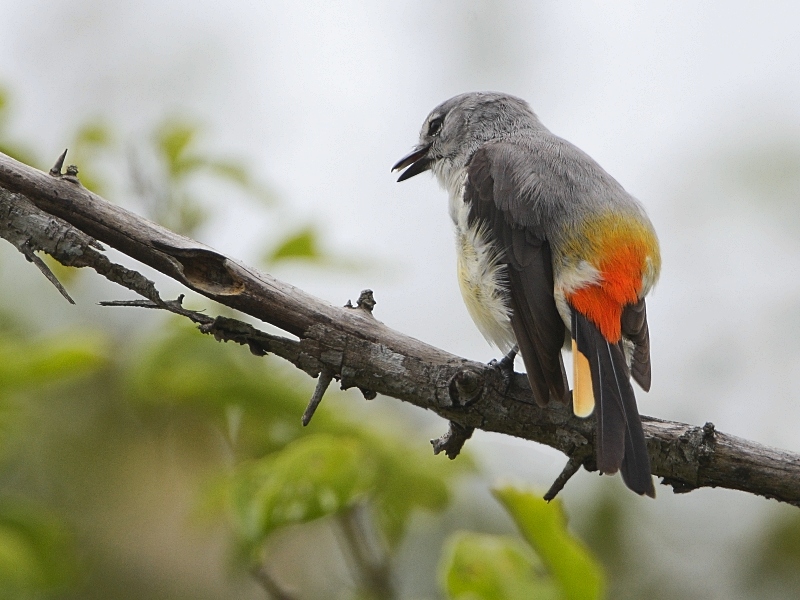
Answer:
(692, 450)
(368, 394)
(699, 443)
(204, 270)
(366, 301)
(465, 387)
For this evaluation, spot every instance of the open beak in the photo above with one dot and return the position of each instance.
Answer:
(417, 162)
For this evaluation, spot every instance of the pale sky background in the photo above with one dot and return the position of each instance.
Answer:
(694, 107)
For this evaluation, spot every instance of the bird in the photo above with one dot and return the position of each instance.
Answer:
(552, 253)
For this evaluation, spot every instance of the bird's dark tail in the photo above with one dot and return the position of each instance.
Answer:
(602, 382)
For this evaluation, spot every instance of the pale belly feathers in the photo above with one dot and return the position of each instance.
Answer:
(481, 278)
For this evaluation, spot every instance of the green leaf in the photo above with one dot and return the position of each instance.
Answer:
(183, 161)
(492, 567)
(302, 244)
(3, 102)
(28, 364)
(239, 175)
(94, 133)
(35, 552)
(409, 481)
(312, 477)
(173, 139)
(229, 170)
(544, 526)
(92, 141)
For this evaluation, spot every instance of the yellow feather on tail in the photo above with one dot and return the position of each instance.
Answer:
(582, 392)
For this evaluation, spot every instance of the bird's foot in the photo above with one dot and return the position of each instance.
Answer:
(506, 365)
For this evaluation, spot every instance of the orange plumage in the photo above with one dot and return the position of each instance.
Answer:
(623, 250)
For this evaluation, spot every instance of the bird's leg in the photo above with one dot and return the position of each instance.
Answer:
(506, 365)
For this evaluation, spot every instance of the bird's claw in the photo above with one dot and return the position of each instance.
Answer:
(505, 365)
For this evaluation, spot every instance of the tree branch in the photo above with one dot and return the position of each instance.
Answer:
(55, 214)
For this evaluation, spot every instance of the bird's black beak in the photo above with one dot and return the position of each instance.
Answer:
(417, 162)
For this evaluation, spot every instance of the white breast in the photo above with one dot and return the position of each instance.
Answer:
(481, 279)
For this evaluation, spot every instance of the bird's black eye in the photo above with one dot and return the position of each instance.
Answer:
(435, 125)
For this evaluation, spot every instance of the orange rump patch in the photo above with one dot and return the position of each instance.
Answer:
(620, 284)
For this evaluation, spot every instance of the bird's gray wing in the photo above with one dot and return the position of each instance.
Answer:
(495, 202)
(634, 327)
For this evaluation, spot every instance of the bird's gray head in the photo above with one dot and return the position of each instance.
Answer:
(457, 127)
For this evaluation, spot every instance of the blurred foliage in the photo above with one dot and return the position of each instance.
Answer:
(605, 534)
(279, 473)
(479, 566)
(288, 474)
(776, 563)
(93, 140)
(36, 553)
(303, 245)
(321, 475)
(33, 363)
(28, 364)
(171, 190)
(315, 476)
(555, 565)
(167, 173)
(544, 526)
(174, 202)
(612, 529)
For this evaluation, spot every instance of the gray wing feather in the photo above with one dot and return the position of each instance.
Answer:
(634, 327)
(494, 202)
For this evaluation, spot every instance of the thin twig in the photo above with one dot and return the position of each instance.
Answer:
(324, 380)
(55, 170)
(370, 563)
(573, 465)
(272, 587)
(48, 274)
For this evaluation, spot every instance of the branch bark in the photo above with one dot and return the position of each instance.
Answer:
(54, 213)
